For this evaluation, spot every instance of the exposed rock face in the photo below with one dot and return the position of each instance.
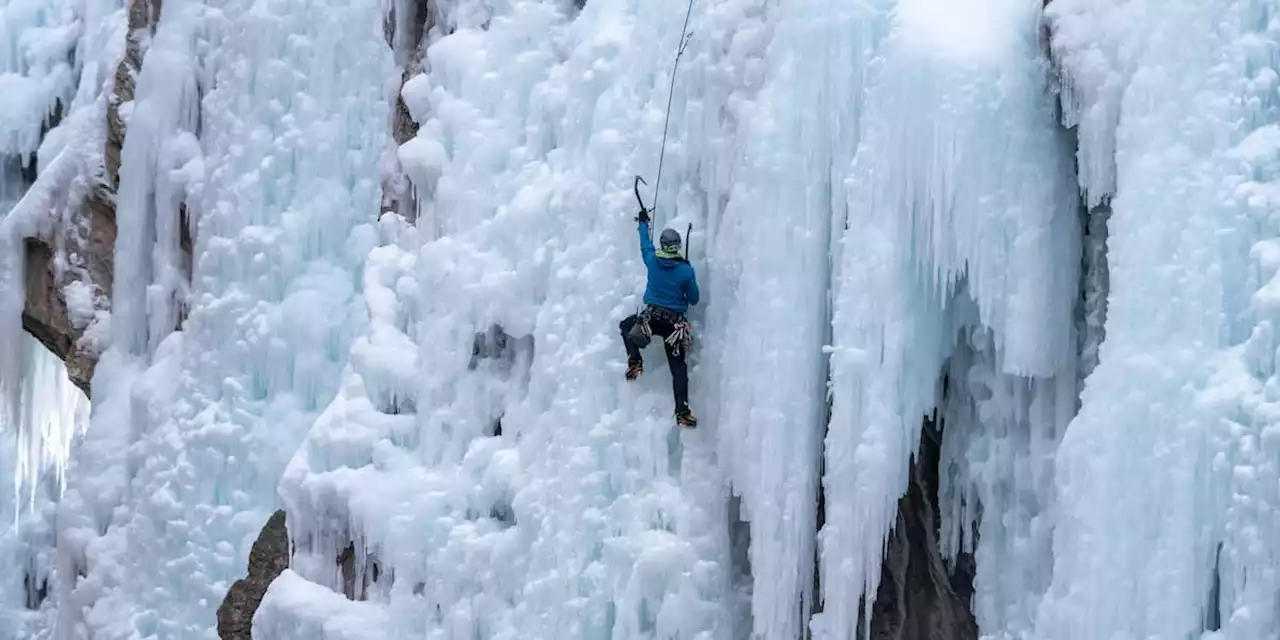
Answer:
(46, 318)
(919, 598)
(267, 559)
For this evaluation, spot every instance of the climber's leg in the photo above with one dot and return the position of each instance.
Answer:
(679, 375)
(635, 364)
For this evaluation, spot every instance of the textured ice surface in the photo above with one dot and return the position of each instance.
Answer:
(192, 430)
(1179, 411)
(440, 405)
(591, 513)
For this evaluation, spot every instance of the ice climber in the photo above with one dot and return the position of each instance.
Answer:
(671, 288)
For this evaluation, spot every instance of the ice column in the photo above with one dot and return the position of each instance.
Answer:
(772, 259)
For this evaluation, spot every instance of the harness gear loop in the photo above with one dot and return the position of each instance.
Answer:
(682, 337)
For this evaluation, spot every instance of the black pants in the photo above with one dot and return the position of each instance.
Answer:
(675, 355)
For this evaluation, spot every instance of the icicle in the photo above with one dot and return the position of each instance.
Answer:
(13, 353)
(1000, 435)
(37, 42)
(53, 413)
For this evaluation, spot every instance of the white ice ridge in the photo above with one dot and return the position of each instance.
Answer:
(771, 313)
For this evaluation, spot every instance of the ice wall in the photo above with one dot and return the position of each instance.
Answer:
(1168, 478)
(509, 481)
(499, 427)
(192, 429)
(886, 226)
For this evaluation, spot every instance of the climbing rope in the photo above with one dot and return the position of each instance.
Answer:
(685, 36)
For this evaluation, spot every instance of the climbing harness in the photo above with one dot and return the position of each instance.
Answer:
(682, 331)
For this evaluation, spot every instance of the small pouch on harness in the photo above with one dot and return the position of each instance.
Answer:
(640, 333)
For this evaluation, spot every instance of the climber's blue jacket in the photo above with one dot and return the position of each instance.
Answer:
(672, 283)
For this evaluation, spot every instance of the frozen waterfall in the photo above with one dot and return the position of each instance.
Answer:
(367, 261)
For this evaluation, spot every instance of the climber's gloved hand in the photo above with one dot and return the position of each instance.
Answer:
(643, 216)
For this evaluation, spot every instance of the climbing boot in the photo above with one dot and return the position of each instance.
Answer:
(685, 417)
(634, 369)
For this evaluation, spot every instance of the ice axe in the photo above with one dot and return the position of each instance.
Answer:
(636, 186)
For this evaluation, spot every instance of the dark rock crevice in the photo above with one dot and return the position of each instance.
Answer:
(268, 558)
(407, 37)
(741, 573)
(1095, 285)
(507, 359)
(35, 588)
(358, 573)
(919, 597)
